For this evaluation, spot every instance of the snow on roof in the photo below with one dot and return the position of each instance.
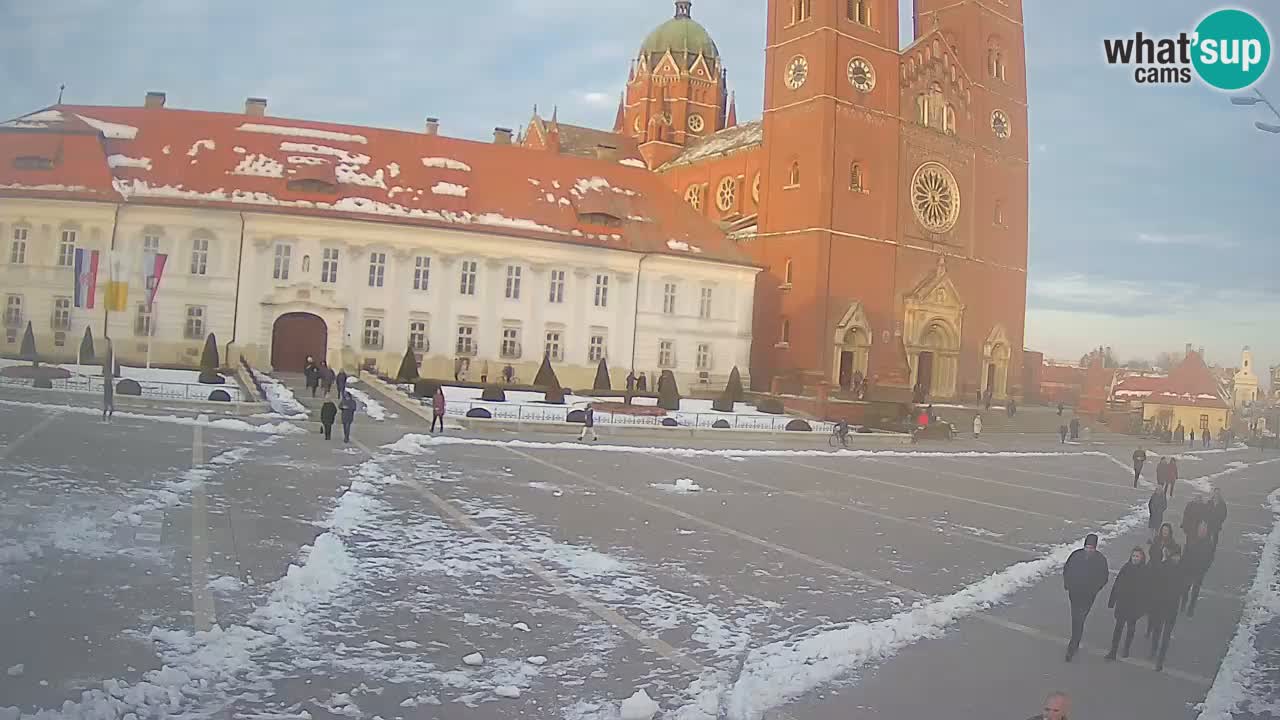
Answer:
(632, 162)
(115, 131)
(446, 188)
(721, 143)
(446, 163)
(36, 120)
(506, 188)
(116, 161)
(303, 132)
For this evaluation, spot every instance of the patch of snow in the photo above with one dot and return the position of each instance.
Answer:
(596, 184)
(475, 659)
(632, 162)
(303, 132)
(1240, 671)
(313, 149)
(16, 670)
(534, 183)
(116, 161)
(198, 145)
(48, 187)
(225, 584)
(497, 220)
(536, 660)
(372, 408)
(638, 707)
(522, 627)
(350, 174)
(446, 188)
(166, 149)
(446, 163)
(256, 165)
(114, 131)
(681, 486)
(238, 150)
(305, 160)
(507, 691)
(683, 246)
(282, 428)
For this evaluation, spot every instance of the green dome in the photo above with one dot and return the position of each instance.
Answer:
(683, 37)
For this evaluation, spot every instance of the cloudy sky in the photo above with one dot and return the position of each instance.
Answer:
(1154, 213)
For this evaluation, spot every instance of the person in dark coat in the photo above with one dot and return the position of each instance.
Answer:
(642, 385)
(1062, 434)
(1084, 575)
(348, 407)
(312, 373)
(341, 382)
(1172, 476)
(1167, 585)
(1192, 435)
(1191, 517)
(1216, 516)
(1157, 505)
(1075, 428)
(1195, 563)
(108, 397)
(437, 409)
(1061, 407)
(328, 413)
(1129, 599)
(631, 382)
(588, 424)
(326, 379)
(1139, 459)
(1162, 475)
(1162, 545)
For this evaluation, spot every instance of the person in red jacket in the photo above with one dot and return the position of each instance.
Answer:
(437, 409)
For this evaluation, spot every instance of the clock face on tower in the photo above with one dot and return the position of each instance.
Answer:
(1000, 124)
(797, 72)
(861, 75)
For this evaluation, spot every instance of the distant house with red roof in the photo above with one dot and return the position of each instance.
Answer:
(1191, 397)
(288, 238)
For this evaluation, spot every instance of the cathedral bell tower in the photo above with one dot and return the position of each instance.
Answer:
(676, 91)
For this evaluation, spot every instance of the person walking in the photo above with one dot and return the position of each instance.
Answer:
(588, 424)
(348, 408)
(1216, 516)
(312, 373)
(1157, 505)
(642, 385)
(1061, 407)
(977, 426)
(631, 382)
(1056, 707)
(1139, 459)
(1084, 575)
(1129, 599)
(108, 396)
(326, 379)
(1195, 564)
(1062, 434)
(328, 413)
(1162, 475)
(1172, 477)
(1162, 545)
(1192, 435)
(1206, 438)
(1167, 585)
(341, 382)
(1191, 517)
(1075, 428)
(437, 409)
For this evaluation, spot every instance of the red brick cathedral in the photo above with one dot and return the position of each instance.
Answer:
(884, 191)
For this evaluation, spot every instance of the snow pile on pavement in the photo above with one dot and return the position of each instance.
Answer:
(1240, 672)
(281, 428)
(415, 444)
(776, 673)
(682, 486)
(280, 397)
(638, 707)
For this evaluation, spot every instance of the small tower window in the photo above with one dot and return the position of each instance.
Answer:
(793, 178)
(801, 10)
(949, 119)
(856, 179)
(859, 11)
(995, 60)
(998, 216)
(788, 273)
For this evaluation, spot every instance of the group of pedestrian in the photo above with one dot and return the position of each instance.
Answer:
(1072, 429)
(329, 412)
(321, 378)
(1158, 582)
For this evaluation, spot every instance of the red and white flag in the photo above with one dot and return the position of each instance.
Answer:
(86, 266)
(152, 271)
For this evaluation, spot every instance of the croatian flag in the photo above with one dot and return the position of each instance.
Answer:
(152, 270)
(86, 267)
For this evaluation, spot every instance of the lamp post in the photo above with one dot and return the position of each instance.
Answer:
(1260, 98)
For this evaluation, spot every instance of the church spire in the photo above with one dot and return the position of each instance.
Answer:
(732, 120)
(619, 120)
(683, 8)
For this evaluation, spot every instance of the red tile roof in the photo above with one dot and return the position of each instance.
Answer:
(209, 159)
(1139, 385)
(1062, 374)
(1190, 384)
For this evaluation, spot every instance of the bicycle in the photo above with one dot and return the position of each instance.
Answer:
(838, 438)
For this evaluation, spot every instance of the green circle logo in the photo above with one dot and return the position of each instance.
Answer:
(1232, 49)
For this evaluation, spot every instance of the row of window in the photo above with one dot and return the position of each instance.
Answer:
(511, 347)
(69, 238)
(143, 325)
(468, 273)
(858, 11)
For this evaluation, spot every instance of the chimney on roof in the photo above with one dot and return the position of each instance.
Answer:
(257, 107)
(501, 136)
(432, 127)
(606, 152)
(154, 99)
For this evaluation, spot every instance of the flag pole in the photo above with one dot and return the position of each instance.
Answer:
(151, 332)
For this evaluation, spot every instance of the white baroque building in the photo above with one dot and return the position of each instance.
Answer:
(289, 238)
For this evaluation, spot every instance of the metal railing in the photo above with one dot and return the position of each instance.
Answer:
(150, 388)
(526, 412)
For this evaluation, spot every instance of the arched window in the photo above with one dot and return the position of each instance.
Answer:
(995, 60)
(306, 263)
(857, 182)
(922, 109)
(801, 10)
(787, 273)
(998, 216)
(859, 11)
(949, 119)
(784, 337)
(793, 179)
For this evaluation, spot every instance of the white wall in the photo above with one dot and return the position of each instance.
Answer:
(346, 304)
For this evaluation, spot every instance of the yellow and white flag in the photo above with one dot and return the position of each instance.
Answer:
(118, 283)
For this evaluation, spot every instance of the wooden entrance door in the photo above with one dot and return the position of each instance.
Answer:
(924, 373)
(991, 378)
(846, 369)
(296, 336)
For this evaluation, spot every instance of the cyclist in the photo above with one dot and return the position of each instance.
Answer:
(841, 432)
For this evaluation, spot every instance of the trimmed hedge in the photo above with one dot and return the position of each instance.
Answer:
(43, 384)
(426, 388)
(219, 396)
(493, 393)
(770, 405)
(210, 377)
(129, 387)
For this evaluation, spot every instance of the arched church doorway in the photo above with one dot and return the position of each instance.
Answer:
(294, 337)
(924, 375)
